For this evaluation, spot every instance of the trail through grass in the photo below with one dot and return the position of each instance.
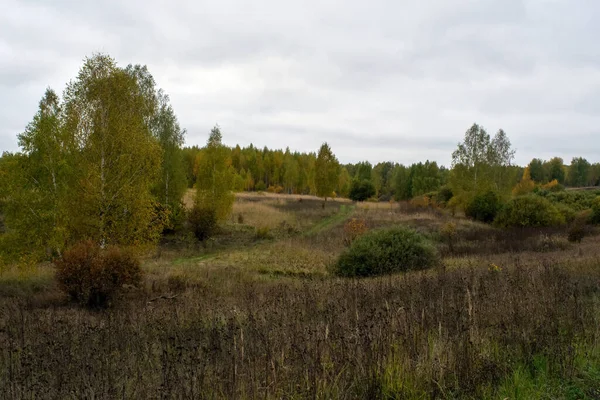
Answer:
(331, 221)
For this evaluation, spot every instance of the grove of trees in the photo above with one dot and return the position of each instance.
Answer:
(105, 162)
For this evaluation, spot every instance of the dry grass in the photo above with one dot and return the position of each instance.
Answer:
(511, 314)
(262, 214)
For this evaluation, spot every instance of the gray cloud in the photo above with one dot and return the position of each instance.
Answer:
(383, 80)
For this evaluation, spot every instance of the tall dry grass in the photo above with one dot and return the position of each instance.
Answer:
(453, 334)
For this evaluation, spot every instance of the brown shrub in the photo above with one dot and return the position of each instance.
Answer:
(92, 276)
(353, 229)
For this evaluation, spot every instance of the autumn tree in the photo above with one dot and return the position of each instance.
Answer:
(215, 177)
(162, 122)
(87, 165)
(118, 159)
(327, 170)
(526, 185)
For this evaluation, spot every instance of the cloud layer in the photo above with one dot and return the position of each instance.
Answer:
(381, 80)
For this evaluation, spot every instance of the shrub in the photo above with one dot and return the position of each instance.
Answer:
(275, 189)
(353, 229)
(529, 210)
(263, 232)
(595, 217)
(240, 218)
(260, 186)
(444, 195)
(553, 186)
(361, 190)
(578, 200)
(387, 251)
(203, 221)
(421, 202)
(567, 212)
(92, 276)
(576, 231)
(483, 207)
(448, 234)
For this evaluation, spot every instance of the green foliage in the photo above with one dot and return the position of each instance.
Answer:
(424, 178)
(386, 251)
(119, 161)
(484, 206)
(529, 211)
(260, 186)
(537, 171)
(88, 164)
(215, 177)
(444, 195)
(595, 217)
(577, 200)
(92, 276)
(344, 182)
(482, 163)
(203, 221)
(567, 212)
(555, 169)
(361, 190)
(263, 232)
(327, 170)
(578, 172)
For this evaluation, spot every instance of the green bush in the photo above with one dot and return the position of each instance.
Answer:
(263, 232)
(92, 276)
(387, 251)
(531, 210)
(361, 190)
(444, 195)
(203, 221)
(578, 200)
(595, 217)
(260, 186)
(483, 207)
(567, 212)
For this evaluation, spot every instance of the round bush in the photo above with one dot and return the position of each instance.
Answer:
(483, 207)
(92, 276)
(387, 251)
(361, 190)
(529, 210)
(203, 221)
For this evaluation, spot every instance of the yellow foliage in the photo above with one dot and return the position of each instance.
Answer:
(525, 186)
(550, 185)
(353, 229)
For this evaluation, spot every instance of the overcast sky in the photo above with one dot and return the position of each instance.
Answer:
(378, 80)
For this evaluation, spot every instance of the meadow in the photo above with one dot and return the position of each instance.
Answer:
(255, 312)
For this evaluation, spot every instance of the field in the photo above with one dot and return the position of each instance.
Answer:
(254, 312)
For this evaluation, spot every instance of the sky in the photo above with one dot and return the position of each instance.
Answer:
(378, 80)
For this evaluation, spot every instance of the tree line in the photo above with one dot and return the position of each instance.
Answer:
(105, 162)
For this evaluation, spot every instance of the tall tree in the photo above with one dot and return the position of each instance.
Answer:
(38, 180)
(215, 176)
(555, 169)
(327, 170)
(118, 158)
(538, 173)
(481, 163)
(578, 172)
